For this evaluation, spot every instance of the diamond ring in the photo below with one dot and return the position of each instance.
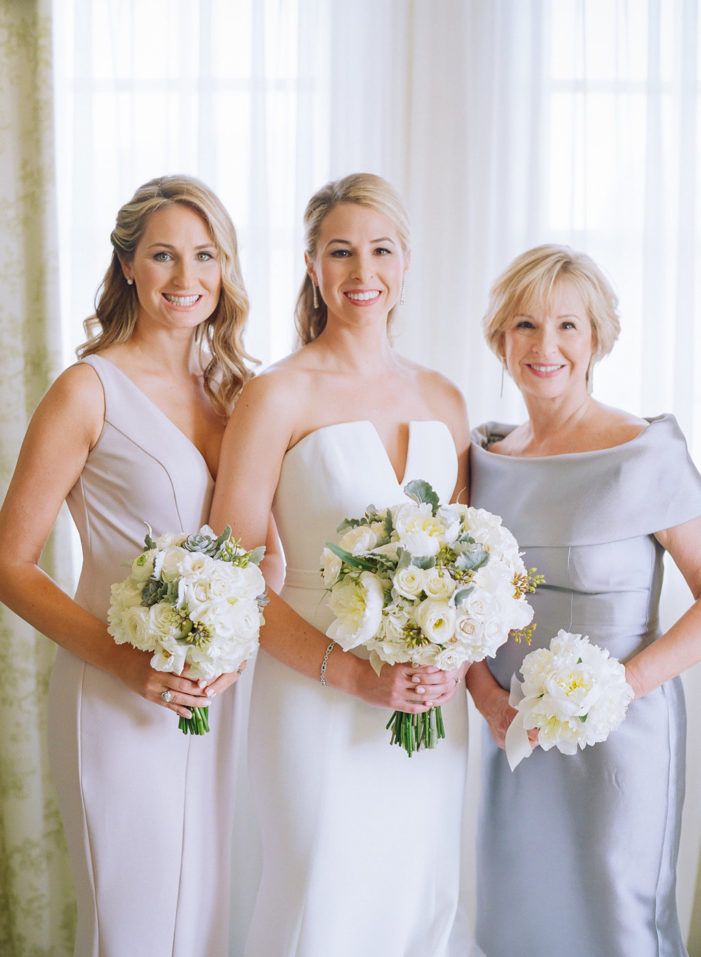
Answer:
(167, 696)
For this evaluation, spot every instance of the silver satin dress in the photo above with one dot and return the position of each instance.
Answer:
(577, 854)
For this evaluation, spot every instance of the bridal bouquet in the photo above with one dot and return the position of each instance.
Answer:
(427, 583)
(573, 692)
(192, 600)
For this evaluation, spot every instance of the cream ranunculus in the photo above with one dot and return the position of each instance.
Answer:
(142, 566)
(409, 581)
(357, 605)
(436, 620)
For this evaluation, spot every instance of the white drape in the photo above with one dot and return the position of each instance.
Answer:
(505, 123)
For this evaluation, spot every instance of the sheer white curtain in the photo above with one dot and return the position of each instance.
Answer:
(505, 123)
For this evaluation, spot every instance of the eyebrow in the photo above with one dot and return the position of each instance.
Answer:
(168, 246)
(346, 242)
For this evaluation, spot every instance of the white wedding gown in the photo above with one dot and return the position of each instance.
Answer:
(361, 844)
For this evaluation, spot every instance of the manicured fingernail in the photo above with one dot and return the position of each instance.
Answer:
(421, 690)
(202, 682)
(415, 679)
(211, 693)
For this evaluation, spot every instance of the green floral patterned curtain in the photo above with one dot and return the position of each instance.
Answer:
(36, 898)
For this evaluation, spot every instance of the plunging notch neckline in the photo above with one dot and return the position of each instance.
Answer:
(159, 410)
(375, 431)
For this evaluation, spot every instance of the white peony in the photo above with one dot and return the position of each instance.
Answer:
(419, 531)
(357, 605)
(574, 693)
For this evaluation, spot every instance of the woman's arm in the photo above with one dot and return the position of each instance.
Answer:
(680, 647)
(255, 442)
(64, 428)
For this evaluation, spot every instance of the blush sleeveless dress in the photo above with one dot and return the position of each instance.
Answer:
(577, 853)
(146, 809)
(360, 843)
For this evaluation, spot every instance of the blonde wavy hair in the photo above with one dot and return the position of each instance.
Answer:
(365, 189)
(219, 339)
(528, 283)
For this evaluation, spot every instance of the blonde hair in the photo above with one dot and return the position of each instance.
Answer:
(364, 189)
(529, 281)
(220, 338)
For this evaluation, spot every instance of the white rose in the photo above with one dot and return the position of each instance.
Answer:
(231, 581)
(357, 605)
(438, 584)
(331, 566)
(436, 620)
(164, 621)
(170, 655)
(359, 540)
(409, 581)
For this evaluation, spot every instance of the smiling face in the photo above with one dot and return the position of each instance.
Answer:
(548, 348)
(359, 263)
(175, 269)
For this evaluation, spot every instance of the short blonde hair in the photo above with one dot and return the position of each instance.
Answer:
(365, 189)
(220, 337)
(529, 281)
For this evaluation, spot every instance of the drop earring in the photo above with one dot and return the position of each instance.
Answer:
(315, 296)
(501, 384)
(402, 300)
(130, 282)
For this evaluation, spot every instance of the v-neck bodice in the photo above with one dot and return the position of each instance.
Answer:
(143, 468)
(337, 471)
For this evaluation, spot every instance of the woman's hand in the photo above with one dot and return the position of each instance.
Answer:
(406, 687)
(492, 702)
(133, 667)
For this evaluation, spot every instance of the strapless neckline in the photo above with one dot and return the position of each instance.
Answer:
(374, 431)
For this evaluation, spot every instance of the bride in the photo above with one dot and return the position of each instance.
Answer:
(361, 846)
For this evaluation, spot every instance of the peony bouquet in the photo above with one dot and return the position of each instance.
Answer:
(192, 600)
(427, 583)
(573, 693)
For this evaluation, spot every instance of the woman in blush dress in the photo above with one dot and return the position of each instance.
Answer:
(131, 434)
(580, 851)
(361, 846)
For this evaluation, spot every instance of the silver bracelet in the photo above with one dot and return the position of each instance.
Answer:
(324, 662)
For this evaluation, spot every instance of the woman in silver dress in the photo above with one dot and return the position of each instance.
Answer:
(581, 850)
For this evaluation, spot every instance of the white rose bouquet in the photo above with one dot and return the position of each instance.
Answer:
(573, 693)
(192, 600)
(427, 583)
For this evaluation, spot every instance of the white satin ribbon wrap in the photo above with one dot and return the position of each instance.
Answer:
(516, 743)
